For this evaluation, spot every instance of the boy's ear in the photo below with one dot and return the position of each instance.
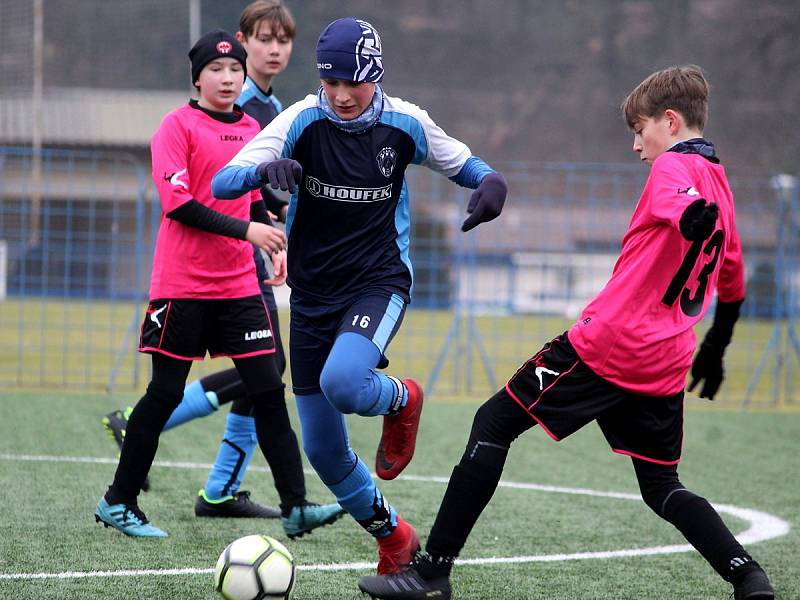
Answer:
(240, 37)
(674, 120)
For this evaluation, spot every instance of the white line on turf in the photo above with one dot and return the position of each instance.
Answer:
(763, 526)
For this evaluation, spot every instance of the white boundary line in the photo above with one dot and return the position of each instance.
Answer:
(763, 526)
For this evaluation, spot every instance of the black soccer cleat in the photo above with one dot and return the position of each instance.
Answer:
(754, 585)
(408, 584)
(237, 506)
(115, 423)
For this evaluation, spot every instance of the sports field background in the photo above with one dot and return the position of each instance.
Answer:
(521, 83)
(63, 344)
(55, 462)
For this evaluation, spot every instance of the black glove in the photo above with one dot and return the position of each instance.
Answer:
(486, 202)
(707, 365)
(283, 173)
(698, 220)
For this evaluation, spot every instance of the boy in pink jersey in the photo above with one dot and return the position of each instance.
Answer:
(624, 363)
(204, 294)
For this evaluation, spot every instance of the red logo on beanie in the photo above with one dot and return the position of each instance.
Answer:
(224, 47)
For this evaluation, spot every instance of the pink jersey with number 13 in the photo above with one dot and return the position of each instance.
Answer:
(637, 333)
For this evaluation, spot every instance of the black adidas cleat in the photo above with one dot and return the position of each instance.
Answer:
(115, 423)
(237, 506)
(754, 585)
(408, 584)
(307, 517)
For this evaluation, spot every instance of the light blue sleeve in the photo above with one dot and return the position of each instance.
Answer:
(276, 140)
(472, 173)
(233, 181)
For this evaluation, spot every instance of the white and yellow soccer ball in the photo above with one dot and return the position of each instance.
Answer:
(254, 567)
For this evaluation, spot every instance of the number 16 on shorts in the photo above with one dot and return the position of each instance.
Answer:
(376, 317)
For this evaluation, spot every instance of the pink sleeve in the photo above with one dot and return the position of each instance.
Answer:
(668, 178)
(730, 286)
(255, 195)
(170, 154)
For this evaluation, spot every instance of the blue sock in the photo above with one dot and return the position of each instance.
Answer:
(394, 395)
(359, 496)
(196, 403)
(234, 455)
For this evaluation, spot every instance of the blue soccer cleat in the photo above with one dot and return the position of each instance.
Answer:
(307, 517)
(127, 518)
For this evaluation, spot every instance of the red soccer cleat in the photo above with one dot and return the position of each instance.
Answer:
(396, 550)
(399, 438)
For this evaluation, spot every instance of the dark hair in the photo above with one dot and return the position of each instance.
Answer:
(274, 11)
(683, 89)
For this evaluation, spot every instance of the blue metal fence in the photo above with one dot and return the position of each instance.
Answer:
(77, 239)
(78, 253)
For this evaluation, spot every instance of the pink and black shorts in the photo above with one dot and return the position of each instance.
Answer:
(562, 394)
(187, 329)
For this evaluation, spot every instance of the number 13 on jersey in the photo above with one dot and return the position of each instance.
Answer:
(691, 305)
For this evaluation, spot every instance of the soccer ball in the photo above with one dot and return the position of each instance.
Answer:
(254, 567)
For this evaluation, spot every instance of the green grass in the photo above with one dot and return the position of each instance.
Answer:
(47, 526)
(76, 345)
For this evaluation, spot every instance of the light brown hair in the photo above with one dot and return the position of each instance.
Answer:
(272, 11)
(683, 89)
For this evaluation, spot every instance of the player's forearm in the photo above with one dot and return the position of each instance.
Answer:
(234, 181)
(194, 214)
(725, 317)
(258, 213)
(472, 173)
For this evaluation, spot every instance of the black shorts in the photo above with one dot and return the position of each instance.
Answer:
(376, 315)
(186, 329)
(562, 394)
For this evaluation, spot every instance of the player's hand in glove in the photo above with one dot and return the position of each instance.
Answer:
(283, 173)
(698, 220)
(486, 202)
(707, 367)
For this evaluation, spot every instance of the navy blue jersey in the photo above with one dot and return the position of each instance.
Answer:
(348, 224)
(263, 107)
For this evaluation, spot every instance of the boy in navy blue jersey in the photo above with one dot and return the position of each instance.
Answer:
(343, 152)
(266, 32)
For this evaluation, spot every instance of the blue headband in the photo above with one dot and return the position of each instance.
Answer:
(350, 49)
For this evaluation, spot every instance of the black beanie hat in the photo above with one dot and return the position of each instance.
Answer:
(216, 44)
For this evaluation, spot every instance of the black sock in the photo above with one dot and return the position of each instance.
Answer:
(227, 385)
(471, 487)
(703, 528)
(279, 445)
(431, 566)
(141, 442)
(497, 423)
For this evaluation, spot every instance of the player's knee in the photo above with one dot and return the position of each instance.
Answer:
(487, 426)
(659, 498)
(658, 484)
(485, 454)
(485, 447)
(164, 395)
(343, 386)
